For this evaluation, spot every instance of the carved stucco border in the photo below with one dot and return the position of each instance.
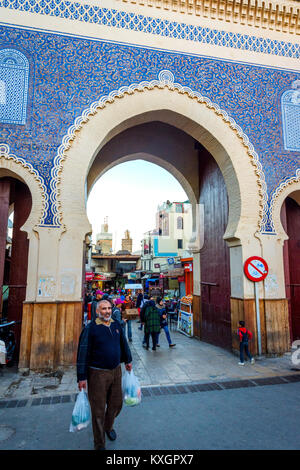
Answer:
(33, 180)
(276, 198)
(165, 80)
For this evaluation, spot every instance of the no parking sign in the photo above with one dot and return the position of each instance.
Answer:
(256, 269)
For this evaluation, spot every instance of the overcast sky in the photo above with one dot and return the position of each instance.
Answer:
(128, 195)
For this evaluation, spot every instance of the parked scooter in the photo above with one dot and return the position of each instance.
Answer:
(7, 335)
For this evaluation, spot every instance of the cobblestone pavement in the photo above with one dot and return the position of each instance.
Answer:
(190, 362)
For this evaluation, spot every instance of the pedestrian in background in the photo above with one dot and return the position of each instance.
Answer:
(163, 322)
(142, 310)
(142, 315)
(101, 349)
(139, 303)
(94, 304)
(140, 299)
(117, 313)
(245, 336)
(127, 304)
(152, 324)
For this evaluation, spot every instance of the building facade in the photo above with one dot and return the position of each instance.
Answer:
(171, 237)
(208, 90)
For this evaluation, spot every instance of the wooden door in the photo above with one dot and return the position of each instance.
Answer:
(19, 256)
(214, 256)
(290, 218)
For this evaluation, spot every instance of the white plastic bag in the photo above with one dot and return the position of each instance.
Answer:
(132, 393)
(81, 415)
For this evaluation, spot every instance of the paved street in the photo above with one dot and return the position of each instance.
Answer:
(190, 361)
(195, 396)
(264, 417)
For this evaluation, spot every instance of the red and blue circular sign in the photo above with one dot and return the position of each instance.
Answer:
(256, 268)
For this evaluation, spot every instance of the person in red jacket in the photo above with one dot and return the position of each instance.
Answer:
(244, 335)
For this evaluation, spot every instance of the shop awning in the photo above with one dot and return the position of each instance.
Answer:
(133, 286)
(174, 272)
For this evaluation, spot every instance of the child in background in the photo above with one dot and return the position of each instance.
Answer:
(244, 335)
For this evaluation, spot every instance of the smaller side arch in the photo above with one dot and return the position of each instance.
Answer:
(10, 165)
(286, 190)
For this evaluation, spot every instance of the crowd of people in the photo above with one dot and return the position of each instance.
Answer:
(103, 347)
(153, 313)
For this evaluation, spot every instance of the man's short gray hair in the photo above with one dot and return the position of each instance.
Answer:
(103, 300)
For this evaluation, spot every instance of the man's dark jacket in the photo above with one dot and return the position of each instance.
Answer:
(93, 309)
(144, 308)
(85, 353)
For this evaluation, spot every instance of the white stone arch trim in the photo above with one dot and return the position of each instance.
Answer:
(282, 192)
(11, 165)
(165, 81)
(157, 161)
(171, 169)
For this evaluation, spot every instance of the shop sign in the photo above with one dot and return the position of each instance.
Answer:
(175, 272)
(180, 278)
(99, 277)
(170, 260)
(185, 323)
(89, 276)
(188, 267)
(164, 267)
(132, 276)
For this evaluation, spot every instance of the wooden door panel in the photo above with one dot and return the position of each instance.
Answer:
(214, 256)
(290, 218)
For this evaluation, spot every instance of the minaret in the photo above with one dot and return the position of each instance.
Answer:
(127, 242)
(104, 239)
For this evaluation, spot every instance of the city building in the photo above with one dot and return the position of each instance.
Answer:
(114, 270)
(105, 269)
(169, 241)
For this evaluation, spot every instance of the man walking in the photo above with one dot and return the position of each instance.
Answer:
(102, 347)
(152, 324)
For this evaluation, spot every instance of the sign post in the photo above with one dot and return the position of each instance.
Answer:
(256, 269)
